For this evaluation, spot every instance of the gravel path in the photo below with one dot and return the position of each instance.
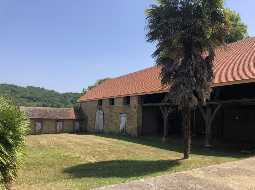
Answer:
(239, 175)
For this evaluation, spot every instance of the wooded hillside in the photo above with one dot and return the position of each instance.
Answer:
(35, 96)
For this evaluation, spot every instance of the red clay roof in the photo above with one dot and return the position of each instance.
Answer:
(49, 113)
(234, 64)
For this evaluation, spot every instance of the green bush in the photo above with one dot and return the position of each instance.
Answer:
(14, 126)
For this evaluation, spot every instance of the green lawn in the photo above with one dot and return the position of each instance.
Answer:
(66, 161)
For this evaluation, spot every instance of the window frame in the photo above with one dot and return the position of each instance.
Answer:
(111, 101)
(100, 102)
(126, 100)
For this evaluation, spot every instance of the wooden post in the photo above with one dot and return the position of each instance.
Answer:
(208, 116)
(165, 133)
(165, 110)
(208, 128)
(194, 126)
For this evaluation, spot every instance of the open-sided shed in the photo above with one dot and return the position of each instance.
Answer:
(228, 115)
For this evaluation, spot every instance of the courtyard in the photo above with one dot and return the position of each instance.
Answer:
(68, 161)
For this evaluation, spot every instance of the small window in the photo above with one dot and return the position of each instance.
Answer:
(100, 102)
(126, 100)
(111, 101)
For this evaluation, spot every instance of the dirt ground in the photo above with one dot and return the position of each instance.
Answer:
(238, 175)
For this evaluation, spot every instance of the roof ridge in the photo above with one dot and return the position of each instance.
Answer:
(125, 75)
(151, 67)
(231, 68)
(131, 73)
(245, 39)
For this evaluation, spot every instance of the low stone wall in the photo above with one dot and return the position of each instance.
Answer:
(112, 115)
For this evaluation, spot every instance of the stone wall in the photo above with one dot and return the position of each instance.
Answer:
(49, 126)
(112, 115)
(88, 110)
(68, 126)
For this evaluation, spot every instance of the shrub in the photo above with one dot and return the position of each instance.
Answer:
(13, 128)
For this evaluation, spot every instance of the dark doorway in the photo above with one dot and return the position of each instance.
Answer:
(152, 122)
(239, 124)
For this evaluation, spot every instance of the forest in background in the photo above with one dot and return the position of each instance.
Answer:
(38, 97)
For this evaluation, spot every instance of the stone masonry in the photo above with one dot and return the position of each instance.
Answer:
(112, 115)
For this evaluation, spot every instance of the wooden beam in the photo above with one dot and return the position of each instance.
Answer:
(208, 115)
(244, 100)
(166, 111)
(156, 104)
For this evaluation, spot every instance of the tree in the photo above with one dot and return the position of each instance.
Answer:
(38, 97)
(237, 29)
(13, 128)
(98, 82)
(186, 33)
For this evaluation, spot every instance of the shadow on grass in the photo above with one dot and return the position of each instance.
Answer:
(120, 168)
(220, 149)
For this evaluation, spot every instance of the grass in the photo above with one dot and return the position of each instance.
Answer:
(67, 161)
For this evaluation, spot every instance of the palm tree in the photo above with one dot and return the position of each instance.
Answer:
(186, 33)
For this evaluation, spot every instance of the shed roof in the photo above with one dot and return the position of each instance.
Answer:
(233, 64)
(49, 113)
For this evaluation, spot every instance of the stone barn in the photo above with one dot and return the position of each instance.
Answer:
(46, 120)
(135, 104)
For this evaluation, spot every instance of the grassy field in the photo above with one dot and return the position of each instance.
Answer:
(87, 161)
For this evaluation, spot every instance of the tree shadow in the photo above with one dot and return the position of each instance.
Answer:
(120, 168)
(175, 143)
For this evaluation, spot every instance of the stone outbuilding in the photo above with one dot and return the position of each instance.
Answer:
(47, 120)
(136, 103)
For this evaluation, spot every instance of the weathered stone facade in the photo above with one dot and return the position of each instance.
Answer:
(112, 115)
(49, 120)
(49, 126)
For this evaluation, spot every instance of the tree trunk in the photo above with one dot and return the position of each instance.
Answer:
(165, 128)
(187, 132)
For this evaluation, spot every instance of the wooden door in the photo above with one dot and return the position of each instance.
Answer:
(59, 127)
(123, 123)
(38, 127)
(99, 126)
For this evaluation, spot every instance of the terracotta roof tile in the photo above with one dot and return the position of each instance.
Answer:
(49, 113)
(233, 64)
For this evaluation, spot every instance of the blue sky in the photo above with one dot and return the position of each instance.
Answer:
(67, 45)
